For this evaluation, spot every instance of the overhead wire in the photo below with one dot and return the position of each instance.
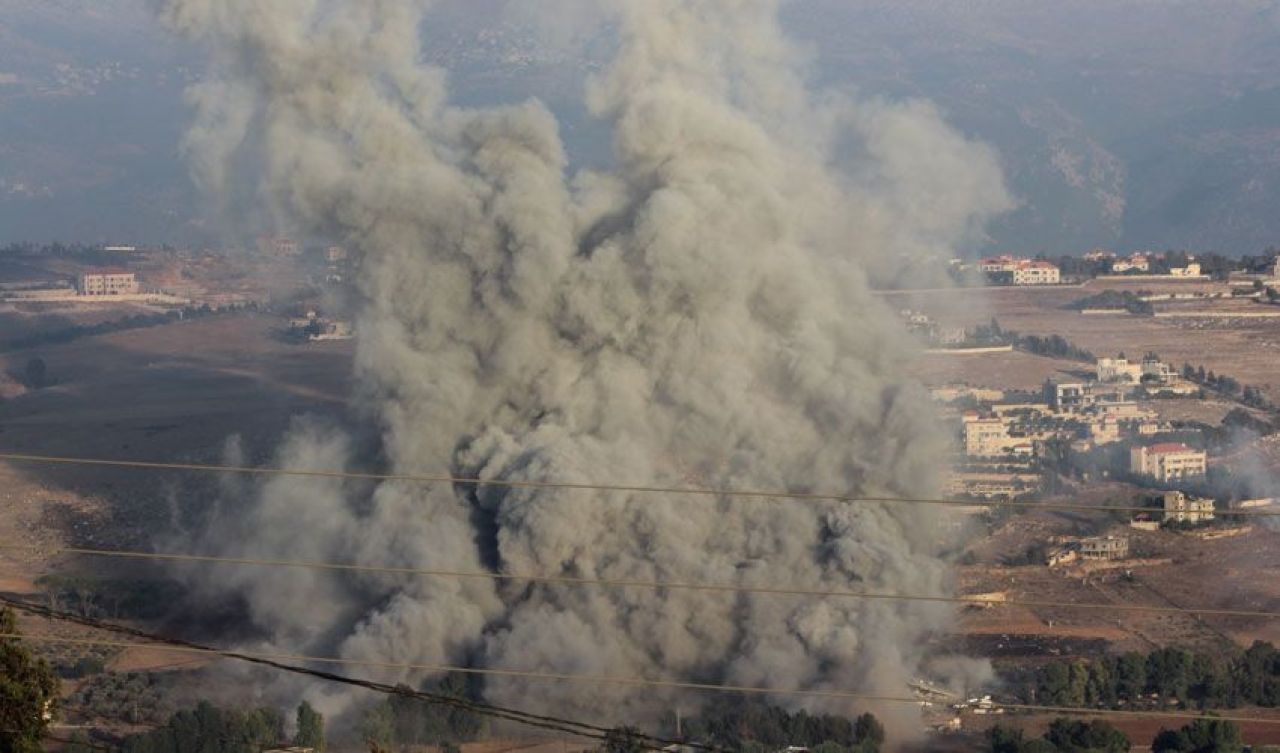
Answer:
(278, 661)
(275, 660)
(774, 494)
(658, 585)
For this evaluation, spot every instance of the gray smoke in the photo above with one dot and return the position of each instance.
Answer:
(699, 315)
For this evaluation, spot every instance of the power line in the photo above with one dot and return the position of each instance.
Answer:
(273, 659)
(575, 486)
(656, 585)
(163, 643)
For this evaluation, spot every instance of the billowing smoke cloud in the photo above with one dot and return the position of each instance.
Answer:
(700, 314)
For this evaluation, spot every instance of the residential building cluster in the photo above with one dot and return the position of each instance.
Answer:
(1011, 270)
(1007, 437)
(1070, 549)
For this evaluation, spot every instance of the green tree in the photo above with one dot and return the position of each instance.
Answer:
(310, 728)
(28, 688)
(868, 729)
(623, 740)
(1201, 736)
(1002, 739)
(378, 726)
(1075, 736)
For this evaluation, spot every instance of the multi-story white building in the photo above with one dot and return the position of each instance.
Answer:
(107, 282)
(1104, 548)
(1180, 507)
(998, 264)
(1168, 461)
(1138, 262)
(985, 437)
(1033, 272)
(1118, 369)
(1069, 397)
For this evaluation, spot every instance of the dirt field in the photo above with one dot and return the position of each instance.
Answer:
(174, 392)
(1167, 570)
(1245, 349)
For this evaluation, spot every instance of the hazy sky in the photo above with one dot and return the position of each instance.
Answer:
(1122, 123)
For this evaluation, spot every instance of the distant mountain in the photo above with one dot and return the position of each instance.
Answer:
(1126, 123)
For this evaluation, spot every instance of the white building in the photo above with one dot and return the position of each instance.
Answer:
(998, 264)
(1118, 369)
(985, 437)
(1031, 272)
(1138, 262)
(1167, 461)
(1191, 270)
(107, 282)
(1180, 507)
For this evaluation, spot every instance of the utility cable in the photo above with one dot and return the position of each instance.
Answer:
(657, 585)
(277, 661)
(575, 486)
(274, 660)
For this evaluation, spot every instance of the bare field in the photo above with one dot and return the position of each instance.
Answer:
(1180, 571)
(172, 392)
(1245, 349)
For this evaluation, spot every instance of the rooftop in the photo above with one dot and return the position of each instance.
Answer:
(1168, 448)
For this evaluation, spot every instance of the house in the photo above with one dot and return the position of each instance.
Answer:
(1104, 548)
(1036, 272)
(995, 264)
(1118, 369)
(985, 437)
(107, 282)
(1179, 507)
(1191, 270)
(1155, 370)
(1168, 461)
(1068, 397)
(1137, 262)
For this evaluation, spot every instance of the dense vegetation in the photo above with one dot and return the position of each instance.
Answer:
(1201, 736)
(1064, 736)
(1115, 299)
(209, 729)
(136, 321)
(752, 726)
(1250, 677)
(112, 598)
(28, 689)
(131, 697)
(406, 720)
(1053, 346)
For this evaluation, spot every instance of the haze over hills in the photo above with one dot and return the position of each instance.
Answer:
(1126, 124)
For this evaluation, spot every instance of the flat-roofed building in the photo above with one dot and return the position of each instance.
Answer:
(1104, 548)
(1036, 272)
(985, 437)
(107, 282)
(1068, 397)
(1168, 461)
(1119, 369)
(1179, 507)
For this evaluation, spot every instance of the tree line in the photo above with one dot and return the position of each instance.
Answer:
(753, 726)
(210, 729)
(1116, 299)
(134, 321)
(1053, 346)
(1250, 677)
(1206, 735)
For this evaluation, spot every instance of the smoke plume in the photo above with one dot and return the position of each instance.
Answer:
(700, 314)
